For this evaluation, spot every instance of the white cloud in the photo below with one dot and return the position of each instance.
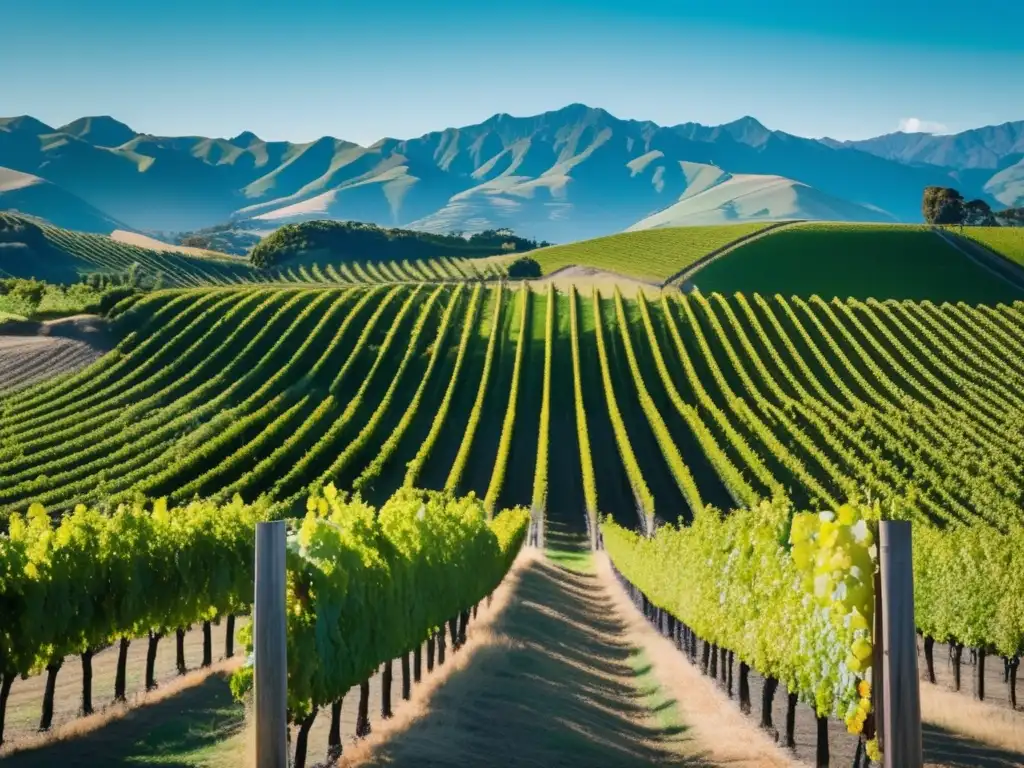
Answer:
(917, 125)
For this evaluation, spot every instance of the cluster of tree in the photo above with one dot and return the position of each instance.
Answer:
(95, 293)
(1011, 217)
(946, 206)
(358, 241)
(524, 268)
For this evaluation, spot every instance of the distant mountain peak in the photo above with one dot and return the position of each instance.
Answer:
(748, 130)
(100, 130)
(745, 122)
(244, 139)
(26, 124)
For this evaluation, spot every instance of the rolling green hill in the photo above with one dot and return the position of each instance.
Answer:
(345, 241)
(864, 261)
(687, 400)
(33, 249)
(651, 255)
(1007, 241)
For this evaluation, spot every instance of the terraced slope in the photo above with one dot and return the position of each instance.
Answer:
(861, 260)
(31, 249)
(652, 255)
(684, 400)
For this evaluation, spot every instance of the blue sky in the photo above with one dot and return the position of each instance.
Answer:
(360, 70)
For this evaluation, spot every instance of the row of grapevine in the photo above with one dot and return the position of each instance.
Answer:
(978, 611)
(186, 270)
(739, 489)
(791, 596)
(680, 472)
(367, 586)
(416, 465)
(459, 465)
(287, 485)
(497, 480)
(387, 450)
(360, 441)
(538, 505)
(424, 558)
(582, 432)
(644, 498)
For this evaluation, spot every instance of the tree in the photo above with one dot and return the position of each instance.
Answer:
(523, 268)
(1011, 217)
(977, 213)
(942, 205)
(197, 241)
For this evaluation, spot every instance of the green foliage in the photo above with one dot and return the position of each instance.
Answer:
(416, 465)
(64, 256)
(792, 596)
(462, 458)
(365, 587)
(358, 241)
(642, 494)
(977, 213)
(264, 390)
(387, 450)
(942, 205)
(37, 299)
(654, 254)
(497, 481)
(540, 472)
(524, 268)
(582, 431)
(1007, 241)
(89, 578)
(1011, 217)
(860, 260)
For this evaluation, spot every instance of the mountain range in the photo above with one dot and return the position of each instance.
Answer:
(563, 175)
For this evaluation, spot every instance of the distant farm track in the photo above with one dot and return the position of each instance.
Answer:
(682, 400)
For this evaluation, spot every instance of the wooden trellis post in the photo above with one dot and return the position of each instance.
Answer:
(899, 718)
(269, 641)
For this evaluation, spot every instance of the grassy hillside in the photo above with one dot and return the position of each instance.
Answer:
(343, 241)
(374, 387)
(869, 260)
(1008, 241)
(29, 249)
(757, 197)
(34, 249)
(651, 255)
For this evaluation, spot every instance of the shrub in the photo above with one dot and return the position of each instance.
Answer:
(523, 268)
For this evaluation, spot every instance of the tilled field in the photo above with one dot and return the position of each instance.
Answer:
(25, 360)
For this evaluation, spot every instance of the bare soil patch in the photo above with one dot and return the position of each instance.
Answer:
(585, 278)
(32, 351)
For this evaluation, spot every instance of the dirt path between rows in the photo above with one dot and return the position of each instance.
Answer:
(561, 680)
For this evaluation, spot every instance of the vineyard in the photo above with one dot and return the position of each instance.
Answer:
(862, 260)
(660, 408)
(71, 255)
(652, 255)
(1008, 241)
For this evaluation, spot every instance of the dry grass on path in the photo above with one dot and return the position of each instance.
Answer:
(724, 734)
(959, 731)
(552, 680)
